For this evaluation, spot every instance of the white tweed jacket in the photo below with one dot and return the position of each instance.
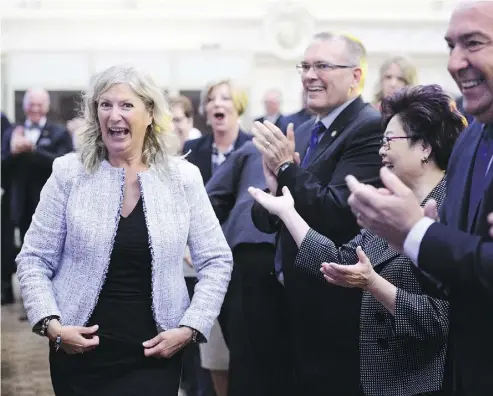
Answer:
(64, 260)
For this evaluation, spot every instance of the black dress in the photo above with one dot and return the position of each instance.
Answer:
(125, 318)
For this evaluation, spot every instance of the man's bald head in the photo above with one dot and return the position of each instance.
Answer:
(36, 104)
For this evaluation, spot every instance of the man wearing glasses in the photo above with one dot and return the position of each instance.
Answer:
(342, 139)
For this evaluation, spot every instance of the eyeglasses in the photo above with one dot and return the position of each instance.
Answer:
(385, 142)
(320, 67)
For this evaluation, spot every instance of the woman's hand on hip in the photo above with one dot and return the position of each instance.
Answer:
(167, 343)
(74, 339)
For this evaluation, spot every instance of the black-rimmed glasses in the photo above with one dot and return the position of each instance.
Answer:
(385, 141)
(320, 67)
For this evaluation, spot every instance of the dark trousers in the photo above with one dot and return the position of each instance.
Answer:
(253, 320)
(196, 381)
(8, 252)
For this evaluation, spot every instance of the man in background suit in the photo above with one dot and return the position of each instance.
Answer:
(272, 104)
(28, 152)
(344, 138)
(457, 251)
(302, 116)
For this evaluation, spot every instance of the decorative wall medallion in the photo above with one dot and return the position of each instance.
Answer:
(288, 29)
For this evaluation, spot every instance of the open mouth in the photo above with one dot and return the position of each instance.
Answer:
(117, 132)
(219, 115)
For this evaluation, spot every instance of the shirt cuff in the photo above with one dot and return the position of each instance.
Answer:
(414, 238)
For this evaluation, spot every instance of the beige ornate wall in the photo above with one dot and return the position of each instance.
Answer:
(57, 44)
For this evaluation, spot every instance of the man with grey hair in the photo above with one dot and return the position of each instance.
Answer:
(28, 151)
(272, 105)
(313, 162)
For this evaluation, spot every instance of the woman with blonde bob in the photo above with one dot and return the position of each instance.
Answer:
(223, 102)
(101, 269)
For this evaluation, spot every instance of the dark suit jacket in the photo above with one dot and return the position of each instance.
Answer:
(402, 354)
(281, 122)
(228, 192)
(5, 123)
(28, 172)
(299, 118)
(201, 152)
(320, 194)
(460, 254)
(5, 174)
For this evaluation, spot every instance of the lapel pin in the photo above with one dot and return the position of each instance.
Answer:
(333, 133)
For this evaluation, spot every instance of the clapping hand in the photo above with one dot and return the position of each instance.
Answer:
(276, 148)
(19, 143)
(360, 275)
(275, 205)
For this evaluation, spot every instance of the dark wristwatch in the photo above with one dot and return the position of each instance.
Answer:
(195, 335)
(283, 167)
(41, 327)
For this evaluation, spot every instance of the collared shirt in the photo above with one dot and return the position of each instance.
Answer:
(330, 118)
(219, 157)
(412, 243)
(272, 118)
(33, 132)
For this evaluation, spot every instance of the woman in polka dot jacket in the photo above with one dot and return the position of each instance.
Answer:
(404, 314)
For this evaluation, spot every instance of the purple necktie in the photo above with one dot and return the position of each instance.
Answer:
(318, 128)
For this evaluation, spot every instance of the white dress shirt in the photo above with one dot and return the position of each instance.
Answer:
(33, 132)
(413, 240)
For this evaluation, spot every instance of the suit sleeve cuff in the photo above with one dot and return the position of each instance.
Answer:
(414, 238)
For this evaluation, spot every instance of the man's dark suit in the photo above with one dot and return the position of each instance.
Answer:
(281, 122)
(324, 319)
(459, 253)
(8, 248)
(30, 171)
(201, 152)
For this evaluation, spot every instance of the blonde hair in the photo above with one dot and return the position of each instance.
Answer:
(239, 95)
(408, 70)
(159, 141)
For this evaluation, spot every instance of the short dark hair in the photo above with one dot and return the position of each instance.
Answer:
(428, 115)
(186, 105)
